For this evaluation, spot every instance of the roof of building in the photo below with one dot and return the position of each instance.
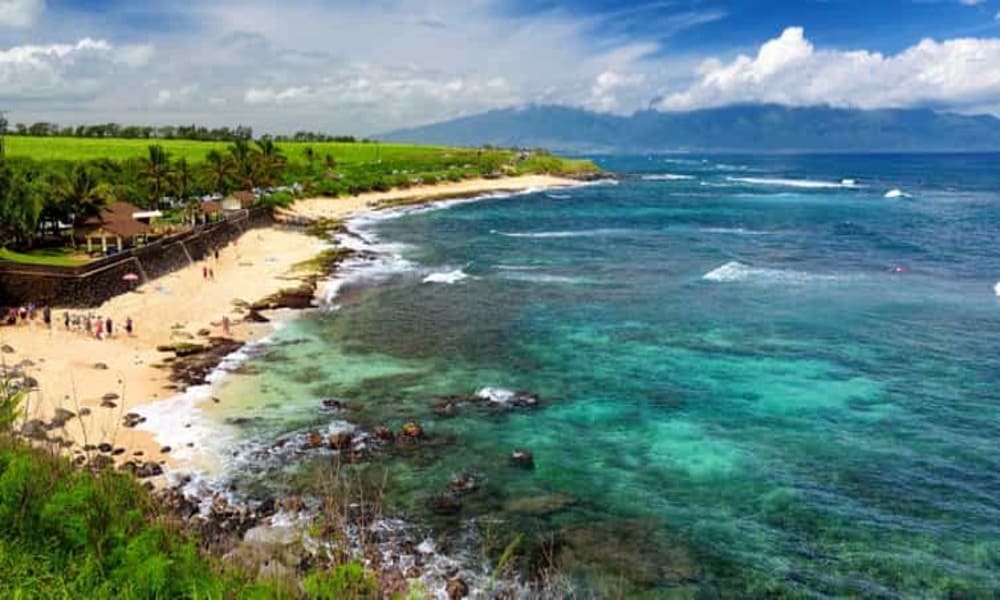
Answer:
(246, 198)
(117, 219)
(210, 207)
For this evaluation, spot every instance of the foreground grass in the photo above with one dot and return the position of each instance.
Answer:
(58, 257)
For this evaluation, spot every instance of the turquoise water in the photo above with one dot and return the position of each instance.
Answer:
(754, 379)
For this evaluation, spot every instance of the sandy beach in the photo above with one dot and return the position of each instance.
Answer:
(76, 372)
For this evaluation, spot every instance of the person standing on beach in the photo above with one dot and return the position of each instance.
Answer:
(66, 320)
(225, 324)
(128, 325)
(204, 272)
(108, 324)
(211, 274)
(99, 329)
(47, 316)
(216, 254)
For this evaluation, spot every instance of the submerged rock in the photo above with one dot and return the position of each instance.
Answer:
(465, 483)
(411, 431)
(333, 404)
(341, 441)
(384, 434)
(522, 458)
(540, 506)
(131, 420)
(446, 504)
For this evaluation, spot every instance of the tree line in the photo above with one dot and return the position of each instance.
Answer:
(166, 132)
(35, 196)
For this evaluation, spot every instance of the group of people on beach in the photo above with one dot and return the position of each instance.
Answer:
(87, 323)
(94, 325)
(207, 272)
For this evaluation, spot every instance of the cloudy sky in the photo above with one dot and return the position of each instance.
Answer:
(365, 66)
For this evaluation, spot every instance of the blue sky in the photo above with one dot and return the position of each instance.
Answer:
(364, 67)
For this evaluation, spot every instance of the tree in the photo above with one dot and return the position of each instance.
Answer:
(20, 205)
(244, 167)
(218, 171)
(156, 171)
(310, 155)
(270, 161)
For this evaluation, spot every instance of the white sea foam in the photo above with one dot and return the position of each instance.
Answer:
(535, 277)
(563, 234)
(735, 271)
(996, 289)
(795, 183)
(733, 231)
(559, 196)
(667, 177)
(495, 394)
(896, 193)
(448, 277)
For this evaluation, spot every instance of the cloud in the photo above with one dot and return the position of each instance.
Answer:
(65, 71)
(20, 14)
(789, 69)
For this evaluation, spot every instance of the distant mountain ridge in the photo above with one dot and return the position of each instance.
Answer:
(761, 128)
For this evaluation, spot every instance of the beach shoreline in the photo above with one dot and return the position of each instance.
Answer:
(104, 382)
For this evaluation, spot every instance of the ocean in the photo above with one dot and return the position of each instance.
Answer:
(757, 375)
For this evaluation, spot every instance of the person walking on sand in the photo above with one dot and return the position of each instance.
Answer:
(108, 326)
(211, 274)
(47, 316)
(99, 329)
(225, 324)
(66, 320)
(128, 325)
(216, 254)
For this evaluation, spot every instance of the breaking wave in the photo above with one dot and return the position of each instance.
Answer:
(563, 234)
(896, 193)
(448, 277)
(667, 177)
(795, 183)
(735, 271)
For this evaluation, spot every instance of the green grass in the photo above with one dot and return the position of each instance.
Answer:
(69, 148)
(59, 257)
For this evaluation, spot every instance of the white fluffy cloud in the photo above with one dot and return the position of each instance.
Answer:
(66, 71)
(958, 74)
(20, 13)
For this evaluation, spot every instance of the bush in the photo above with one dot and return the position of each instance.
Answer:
(345, 582)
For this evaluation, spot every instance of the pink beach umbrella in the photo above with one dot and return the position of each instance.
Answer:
(130, 277)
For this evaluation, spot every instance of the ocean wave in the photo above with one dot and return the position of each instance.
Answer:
(448, 277)
(734, 231)
(896, 193)
(535, 277)
(667, 177)
(996, 288)
(495, 394)
(563, 234)
(796, 183)
(558, 196)
(735, 271)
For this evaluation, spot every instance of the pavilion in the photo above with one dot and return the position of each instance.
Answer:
(115, 226)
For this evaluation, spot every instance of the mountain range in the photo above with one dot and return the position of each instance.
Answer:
(758, 128)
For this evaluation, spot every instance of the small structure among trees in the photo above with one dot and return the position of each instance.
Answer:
(115, 226)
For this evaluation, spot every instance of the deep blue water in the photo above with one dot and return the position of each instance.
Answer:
(751, 382)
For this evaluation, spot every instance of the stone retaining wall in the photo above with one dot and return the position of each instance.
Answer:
(94, 283)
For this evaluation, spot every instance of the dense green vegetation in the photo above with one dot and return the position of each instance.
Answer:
(97, 533)
(49, 180)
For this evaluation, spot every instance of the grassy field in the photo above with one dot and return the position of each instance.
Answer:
(60, 148)
(58, 257)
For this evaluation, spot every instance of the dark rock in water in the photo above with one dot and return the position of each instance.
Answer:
(254, 316)
(241, 420)
(61, 416)
(384, 434)
(540, 506)
(101, 366)
(411, 431)
(341, 441)
(165, 450)
(446, 505)
(447, 407)
(105, 447)
(6, 349)
(84, 412)
(267, 507)
(35, 430)
(143, 470)
(215, 400)
(192, 367)
(314, 439)
(466, 483)
(524, 399)
(333, 404)
(522, 458)
(108, 404)
(294, 298)
(131, 420)
(457, 589)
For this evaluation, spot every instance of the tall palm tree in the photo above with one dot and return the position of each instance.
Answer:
(181, 183)
(156, 170)
(219, 170)
(270, 161)
(244, 167)
(76, 196)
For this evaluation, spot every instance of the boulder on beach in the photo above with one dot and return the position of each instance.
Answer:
(131, 420)
(60, 417)
(6, 349)
(101, 366)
